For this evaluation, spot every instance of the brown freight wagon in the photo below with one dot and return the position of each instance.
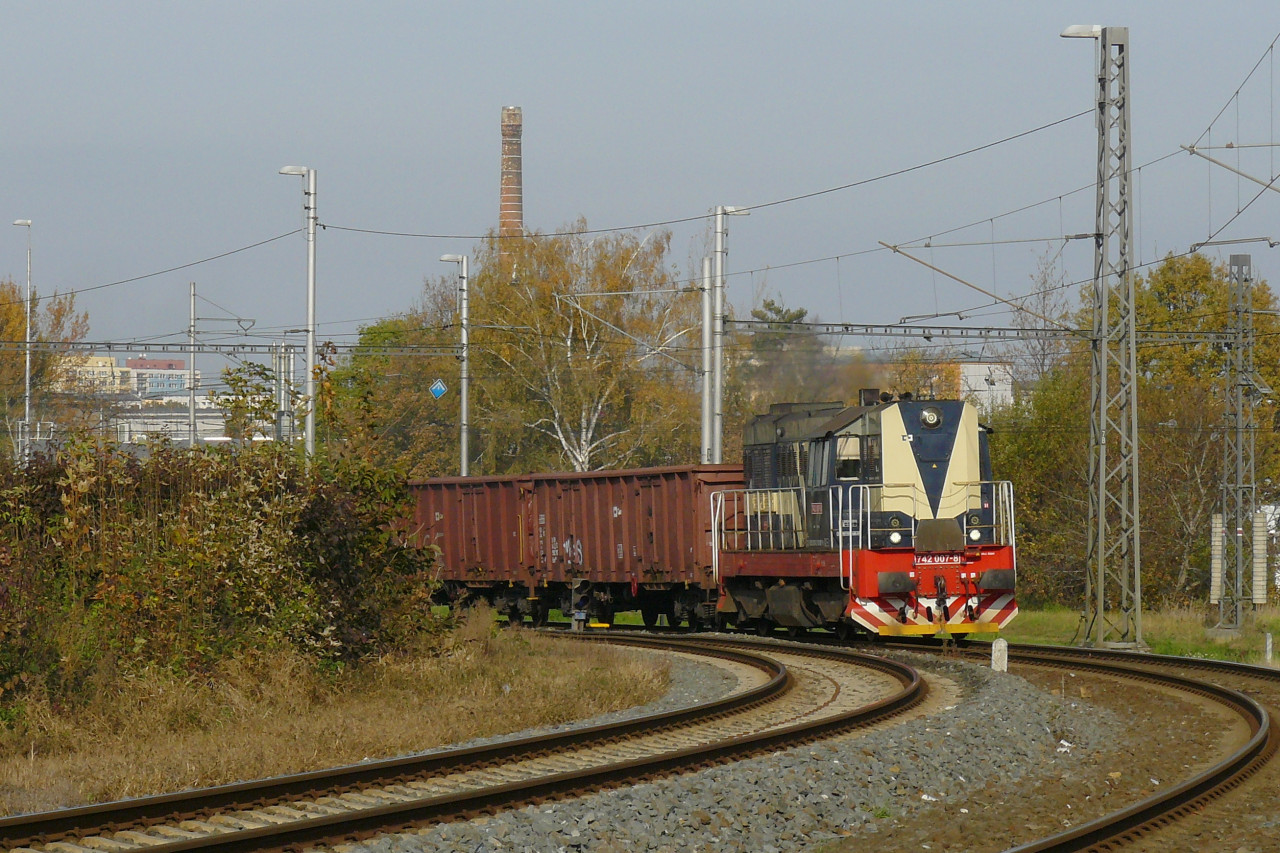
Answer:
(588, 543)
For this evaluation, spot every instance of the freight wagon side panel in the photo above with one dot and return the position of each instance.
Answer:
(476, 523)
(633, 527)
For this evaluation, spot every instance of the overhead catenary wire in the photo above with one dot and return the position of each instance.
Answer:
(760, 206)
(837, 258)
(144, 276)
(672, 221)
(1236, 93)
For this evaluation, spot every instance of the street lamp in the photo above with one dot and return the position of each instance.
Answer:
(708, 408)
(309, 387)
(717, 432)
(1082, 31)
(24, 431)
(465, 383)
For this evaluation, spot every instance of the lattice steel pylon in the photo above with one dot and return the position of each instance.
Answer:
(1113, 583)
(1240, 522)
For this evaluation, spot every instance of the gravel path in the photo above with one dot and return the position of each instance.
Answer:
(1002, 732)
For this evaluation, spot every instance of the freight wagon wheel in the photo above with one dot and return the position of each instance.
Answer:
(794, 631)
(763, 627)
(514, 617)
(649, 615)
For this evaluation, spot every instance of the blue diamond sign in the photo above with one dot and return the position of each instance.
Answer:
(438, 388)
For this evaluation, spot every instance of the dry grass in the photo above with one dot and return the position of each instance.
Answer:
(153, 732)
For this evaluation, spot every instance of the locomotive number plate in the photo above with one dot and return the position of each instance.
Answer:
(939, 559)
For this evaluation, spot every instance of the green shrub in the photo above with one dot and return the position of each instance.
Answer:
(187, 557)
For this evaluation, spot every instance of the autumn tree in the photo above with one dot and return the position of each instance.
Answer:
(382, 407)
(54, 322)
(588, 345)
(1043, 442)
(922, 372)
(584, 355)
(1040, 441)
(780, 359)
(1047, 308)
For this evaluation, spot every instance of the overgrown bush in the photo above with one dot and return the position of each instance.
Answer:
(185, 558)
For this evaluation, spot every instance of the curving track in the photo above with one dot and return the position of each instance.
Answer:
(793, 693)
(1249, 695)
(1160, 821)
(804, 694)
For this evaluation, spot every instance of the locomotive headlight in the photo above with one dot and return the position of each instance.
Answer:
(975, 535)
(931, 417)
(895, 538)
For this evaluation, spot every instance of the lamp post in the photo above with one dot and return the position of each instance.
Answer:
(309, 382)
(24, 431)
(465, 390)
(717, 432)
(708, 407)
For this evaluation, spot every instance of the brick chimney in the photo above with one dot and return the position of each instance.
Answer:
(511, 206)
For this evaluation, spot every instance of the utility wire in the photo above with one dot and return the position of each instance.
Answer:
(159, 272)
(790, 199)
(1236, 93)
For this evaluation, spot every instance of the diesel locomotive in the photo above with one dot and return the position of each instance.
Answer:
(878, 519)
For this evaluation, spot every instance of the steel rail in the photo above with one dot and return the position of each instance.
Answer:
(396, 817)
(24, 830)
(1149, 813)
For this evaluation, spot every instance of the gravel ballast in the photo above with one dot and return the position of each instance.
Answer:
(1001, 731)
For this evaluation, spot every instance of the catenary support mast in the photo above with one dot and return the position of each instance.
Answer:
(1113, 580)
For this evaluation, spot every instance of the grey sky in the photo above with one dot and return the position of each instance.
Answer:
(141, 136)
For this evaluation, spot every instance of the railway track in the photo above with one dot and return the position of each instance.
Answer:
(1158, 822)
(796, 694)
(803, 694)
(1252, 693)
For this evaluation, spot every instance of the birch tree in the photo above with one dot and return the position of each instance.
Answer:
(53, 320)
(583, 355)
(588, 344)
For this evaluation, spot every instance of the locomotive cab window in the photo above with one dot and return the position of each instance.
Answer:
(848, 457)
(819, 463)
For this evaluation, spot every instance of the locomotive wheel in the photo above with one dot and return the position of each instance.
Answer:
(843, 631)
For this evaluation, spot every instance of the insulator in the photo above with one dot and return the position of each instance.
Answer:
(1260, 558)
(1215, 559)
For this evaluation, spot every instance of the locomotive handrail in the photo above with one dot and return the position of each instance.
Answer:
(776, 519)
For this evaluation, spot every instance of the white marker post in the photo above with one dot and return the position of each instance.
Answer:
(1000, 656)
